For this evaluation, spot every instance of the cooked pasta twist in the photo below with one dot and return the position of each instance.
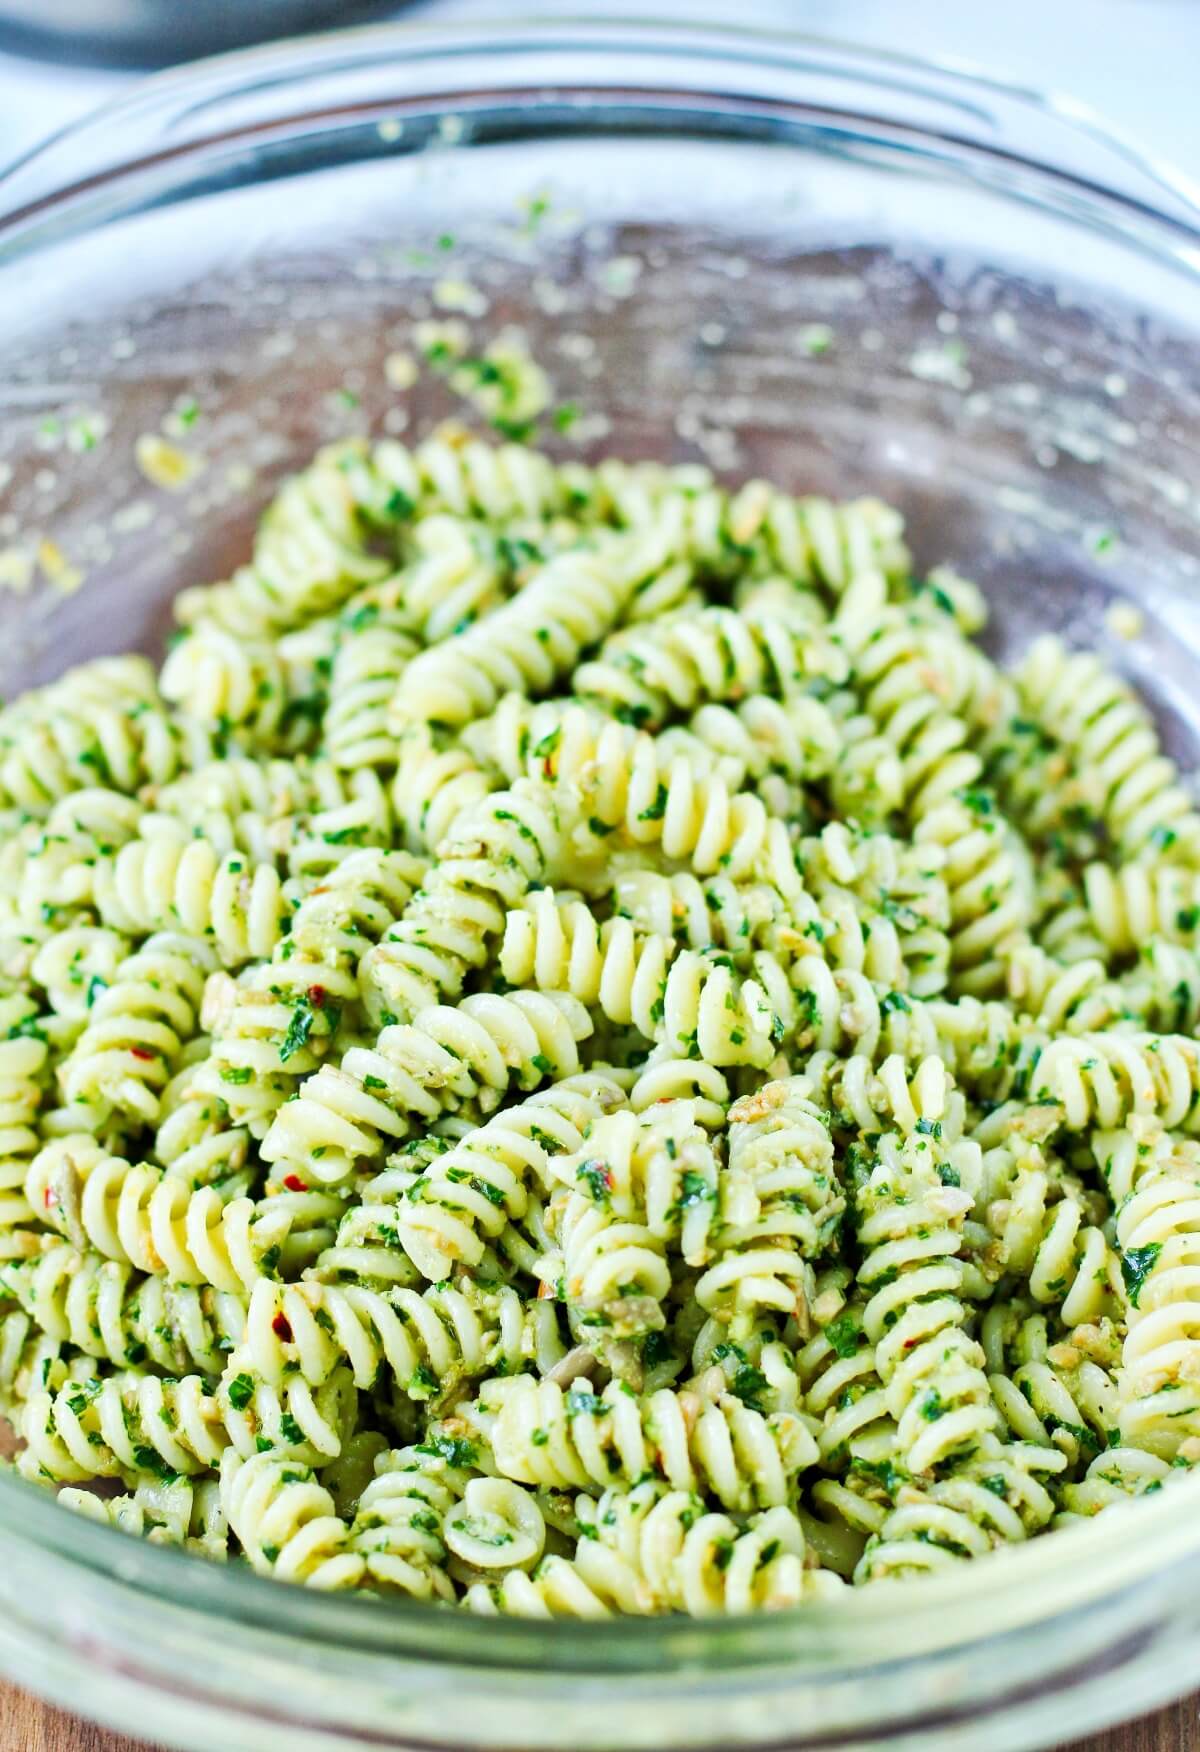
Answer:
(663, 791)
(130, 1425)
(137, 1025)
(399, 1527)
(108, 1311)
(1106, 1078)
(694, 1003)
(47, 870)
(884, 908)
(1113, 1477)
(391, 483)
(806, 539)
(467, 1195)
(867, 781)
(572, 602)
(429, 1341)
(567, 742)
(286, 1523)
(102, 723)
(496, 852)
(161, 885)
(641, 1182)
(736, 918)
(653, 1550)
(993, 1500)
(371, 658)
(771, 740)
(23, 1064)
(342, 1116)
(910, 686)
(155, 1221)
(1111, 741)
(722, 1448)
(310, 553)
(435, 786)
(454, 572)
(1045, 1237)
(841, 1011)
(257, 800)
(1122, 907)
(230, 686)
(843, 1391)
(274, 1025)
(1158, 1232)
(861, 1096)
(909, 1206)
(75, 964)
(194, 1138)
(180, 1513)
(1161, 992)
(991, 888)
(1053, 1394)
(779, 1205)
(681, 662)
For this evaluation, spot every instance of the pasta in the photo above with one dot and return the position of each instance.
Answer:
(582, 1050)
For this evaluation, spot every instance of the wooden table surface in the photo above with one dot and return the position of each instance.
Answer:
(29, 1726)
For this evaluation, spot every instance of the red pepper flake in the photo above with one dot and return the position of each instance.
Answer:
(143, 1052)
(281, 1327)
(317, 996)
(294, 1183)
(49, 1198)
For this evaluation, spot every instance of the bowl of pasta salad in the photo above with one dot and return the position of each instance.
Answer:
(599, 902)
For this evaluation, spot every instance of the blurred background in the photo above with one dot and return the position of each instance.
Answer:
(1134, 61)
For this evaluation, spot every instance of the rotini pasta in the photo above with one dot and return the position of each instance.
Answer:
(103, 723)
(745, 1460)
(1111, 743)
(583, 1050)
(694, 1003)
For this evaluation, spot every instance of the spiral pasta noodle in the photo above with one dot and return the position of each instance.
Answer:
(909, 683)
(652, 1550)
(1046, 1238)
(677, 664)
(107, 1310)
(495, 854)
(155, 1221)
(642, 1183)
(693, 1002)
(471, 1191)
(157, 885)
(779, 1209)
(529, 641)
(179, 1513)
(1159, 1408)
(273, 1026)
(1109, 736)
(23, 1063)
(447, 1054)
(742, 1458)
(908, 1218)
(137, 1025)
(103, 723)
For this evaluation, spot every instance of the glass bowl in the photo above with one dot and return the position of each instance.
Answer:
(847, 271)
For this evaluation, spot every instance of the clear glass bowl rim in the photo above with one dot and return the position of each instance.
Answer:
(1065, 161)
